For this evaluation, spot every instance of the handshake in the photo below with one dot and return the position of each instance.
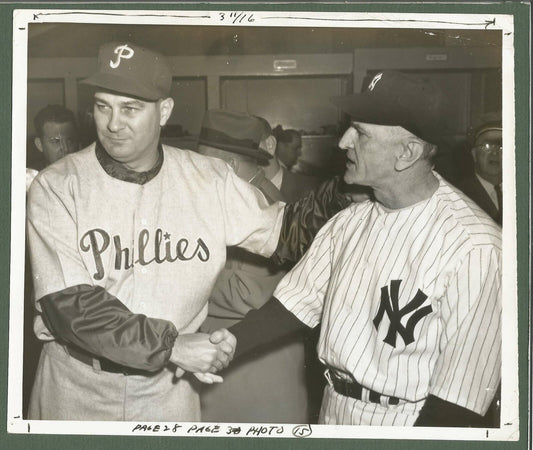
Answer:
(203, 354)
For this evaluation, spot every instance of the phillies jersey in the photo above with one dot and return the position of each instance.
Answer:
(158, 247)
(409, 302)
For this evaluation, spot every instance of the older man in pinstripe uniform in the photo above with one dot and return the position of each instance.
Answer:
(407, 287)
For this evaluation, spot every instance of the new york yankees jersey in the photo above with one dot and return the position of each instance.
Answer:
(158, 247)
(409, 302)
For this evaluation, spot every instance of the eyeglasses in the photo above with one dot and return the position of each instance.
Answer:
(488, 148)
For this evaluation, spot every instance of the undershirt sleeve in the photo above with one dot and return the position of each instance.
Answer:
(440, 413)
(95, 321)
(263, 326)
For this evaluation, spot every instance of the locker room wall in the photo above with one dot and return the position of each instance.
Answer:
(288, 89)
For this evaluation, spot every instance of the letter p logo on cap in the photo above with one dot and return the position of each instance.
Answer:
(132, 70)
(122, 51)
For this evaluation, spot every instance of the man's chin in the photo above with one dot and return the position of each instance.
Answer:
(350, 178)
(493, 174)
(113, 143)
(115, 148)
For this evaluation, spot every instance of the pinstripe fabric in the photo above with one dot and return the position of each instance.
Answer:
(364, 258)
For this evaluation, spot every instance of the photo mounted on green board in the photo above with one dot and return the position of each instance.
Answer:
(181, 170)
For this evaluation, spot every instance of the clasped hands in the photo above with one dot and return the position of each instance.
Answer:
(203, 354)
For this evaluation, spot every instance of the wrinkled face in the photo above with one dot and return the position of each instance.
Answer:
(129, 128)
(487, 154)
(288, 153)
(58, 140)
(370, 150)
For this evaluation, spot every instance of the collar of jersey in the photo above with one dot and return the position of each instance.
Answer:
(383, 209)
(117, 170)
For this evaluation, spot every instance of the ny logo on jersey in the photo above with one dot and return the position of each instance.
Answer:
(389, 305)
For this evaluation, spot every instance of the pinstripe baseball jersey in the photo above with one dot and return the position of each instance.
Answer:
(410, 305)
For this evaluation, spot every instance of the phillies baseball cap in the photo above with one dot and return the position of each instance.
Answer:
(131, 70)
(393, 98)
(235, 132)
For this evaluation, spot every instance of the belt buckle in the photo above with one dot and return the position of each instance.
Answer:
(327, 375)
(340, 376)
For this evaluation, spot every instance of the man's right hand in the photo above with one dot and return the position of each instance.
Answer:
(201, 354)
(195, 353)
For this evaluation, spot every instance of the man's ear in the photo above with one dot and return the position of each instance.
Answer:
(411, 152)
(165, 109)
(38, 144)
(270, 145)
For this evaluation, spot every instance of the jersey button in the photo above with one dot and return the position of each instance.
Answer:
(143, 270)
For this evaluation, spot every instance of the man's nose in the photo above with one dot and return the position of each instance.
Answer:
(115, 121)
(347, 140)
(63, 146)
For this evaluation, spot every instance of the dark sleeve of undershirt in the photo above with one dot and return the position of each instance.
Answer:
(302, 219)
(94, 320)
(440, 413)
(263, 326)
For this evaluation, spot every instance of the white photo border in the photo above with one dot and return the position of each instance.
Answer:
(23, 18)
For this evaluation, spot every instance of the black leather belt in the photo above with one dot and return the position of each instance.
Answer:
(105, 364)
(351, 388)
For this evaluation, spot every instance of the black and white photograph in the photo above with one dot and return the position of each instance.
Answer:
(263, 224)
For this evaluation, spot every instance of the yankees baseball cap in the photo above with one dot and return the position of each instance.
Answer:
(131, 70)
(393, 98)
(235, 132)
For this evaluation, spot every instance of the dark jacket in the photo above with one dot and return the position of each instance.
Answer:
(473, 188)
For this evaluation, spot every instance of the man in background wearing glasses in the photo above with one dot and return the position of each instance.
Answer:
(485, 185)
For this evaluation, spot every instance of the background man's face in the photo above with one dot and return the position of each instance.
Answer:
(370, 153)
(57, 140)
(129, 128)
(288, 153)
(488, 159)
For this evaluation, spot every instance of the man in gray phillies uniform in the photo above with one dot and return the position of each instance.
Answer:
(127, 238)
(407, 287)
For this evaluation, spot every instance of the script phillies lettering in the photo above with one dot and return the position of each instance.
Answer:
(158, 250)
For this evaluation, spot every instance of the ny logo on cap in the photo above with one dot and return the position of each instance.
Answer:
(122, 51)
(374, 81)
